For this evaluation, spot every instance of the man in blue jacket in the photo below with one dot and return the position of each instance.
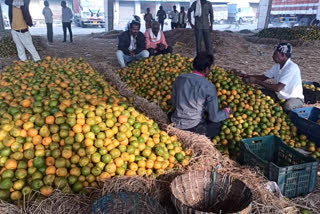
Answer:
(20, 19)
(132, 45)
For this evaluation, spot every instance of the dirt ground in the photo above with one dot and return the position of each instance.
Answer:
(232, 50)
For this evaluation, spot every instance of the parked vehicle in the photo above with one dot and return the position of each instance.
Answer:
(220, 13)
(89, 13)
(241, 14)
(295, 12)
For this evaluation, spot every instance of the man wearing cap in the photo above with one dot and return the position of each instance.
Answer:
(287, 77)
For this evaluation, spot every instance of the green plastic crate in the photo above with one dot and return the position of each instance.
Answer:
(294, 173)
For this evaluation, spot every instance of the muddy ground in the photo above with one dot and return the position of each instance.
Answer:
(232, 50)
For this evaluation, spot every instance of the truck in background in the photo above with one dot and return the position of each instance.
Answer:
(89, 13)
(295, 12)
(240, 14)
(220, 13)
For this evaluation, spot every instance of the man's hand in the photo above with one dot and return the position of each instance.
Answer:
(250, 80)
(192, 25)
(161, 47)
(228, 110)
(211, 28)
(132, 54)
(239, 73)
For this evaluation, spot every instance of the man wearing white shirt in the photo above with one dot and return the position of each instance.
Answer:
(48, 19)
(174, 16)
(287, 77)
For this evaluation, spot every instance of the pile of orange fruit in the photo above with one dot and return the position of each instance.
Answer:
(153, 77)
(7, 47)
(254, 114)
(63, 126)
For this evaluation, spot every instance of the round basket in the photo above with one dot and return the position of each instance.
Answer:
(202, 192)
(126, 203)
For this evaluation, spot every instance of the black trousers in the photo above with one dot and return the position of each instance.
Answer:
(66, 25)
(182, 25)
(209, 129)
(49, 32)
(161, 24)
(174, 25)
(158, 52)
(271, 94)
(203, 35)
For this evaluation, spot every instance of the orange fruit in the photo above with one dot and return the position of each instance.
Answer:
(131, 173)
(50, 161)
(123, 119)
(51, 170)
(46, 190)
(11, 164)
(50, 120)
(61, 172)
(119, 162)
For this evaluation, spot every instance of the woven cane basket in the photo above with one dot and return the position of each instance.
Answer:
(126, 203)
(200, 192)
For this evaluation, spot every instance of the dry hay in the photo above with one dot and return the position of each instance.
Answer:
(131, 184)
(58, 202)
(311, 201)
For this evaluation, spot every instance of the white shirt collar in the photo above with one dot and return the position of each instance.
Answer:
(285, 64)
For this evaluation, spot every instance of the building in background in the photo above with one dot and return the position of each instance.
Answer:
(125, 9)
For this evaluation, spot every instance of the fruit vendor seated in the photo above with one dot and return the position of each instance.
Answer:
(132, 45)
(156, 41)
(287, 77)
(193, 95)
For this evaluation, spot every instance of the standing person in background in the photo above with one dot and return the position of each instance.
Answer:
(174, 16)
(203, 26)
(148, 19)
(161, 14)
(182, 23)
(20, 19)
(48, 19)
(66, 21)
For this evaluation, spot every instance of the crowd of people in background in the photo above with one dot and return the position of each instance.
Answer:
(178, 19)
